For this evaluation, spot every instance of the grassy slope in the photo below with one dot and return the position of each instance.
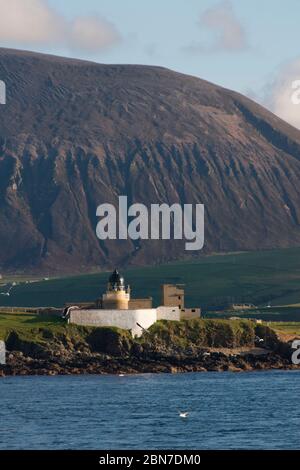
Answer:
(257, 278)
(29, 325)
(198, 332)
(181, 335)
(289, 328)
(203, 333)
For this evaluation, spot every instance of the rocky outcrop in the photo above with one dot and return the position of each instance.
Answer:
(112, 351)
(96, 363)
(109, 341)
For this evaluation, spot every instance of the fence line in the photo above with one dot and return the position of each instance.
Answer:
(28, 310)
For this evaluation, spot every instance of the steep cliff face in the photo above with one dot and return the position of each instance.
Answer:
(75, 134)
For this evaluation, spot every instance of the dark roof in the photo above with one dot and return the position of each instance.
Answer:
(116, 278)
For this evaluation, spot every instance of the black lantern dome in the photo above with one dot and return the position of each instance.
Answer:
(116, 280)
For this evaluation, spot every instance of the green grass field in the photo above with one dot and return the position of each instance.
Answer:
(29, 325)
(259, 278)
(289, 328)
(273, 314)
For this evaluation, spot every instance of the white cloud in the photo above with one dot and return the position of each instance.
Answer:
(30, 21)
(34, 22)
(280, 93)
(92, 33)
(227, 31)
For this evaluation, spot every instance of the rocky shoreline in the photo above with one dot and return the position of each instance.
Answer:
(168, 347)
(19, 364)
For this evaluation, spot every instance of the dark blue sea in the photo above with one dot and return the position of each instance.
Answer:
(255, 410)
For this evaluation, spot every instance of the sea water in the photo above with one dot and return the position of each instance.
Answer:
(251, 410)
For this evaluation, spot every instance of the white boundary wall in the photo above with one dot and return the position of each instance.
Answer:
(125, 319)
(168, 313)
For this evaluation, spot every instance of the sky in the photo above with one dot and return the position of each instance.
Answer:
(251, 46)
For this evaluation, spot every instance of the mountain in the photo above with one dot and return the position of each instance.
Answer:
(75, 134)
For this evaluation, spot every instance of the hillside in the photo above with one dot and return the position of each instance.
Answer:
(259, 278)
(75, 134)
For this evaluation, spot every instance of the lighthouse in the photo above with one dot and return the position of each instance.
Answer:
(117, 295)
(116, 309)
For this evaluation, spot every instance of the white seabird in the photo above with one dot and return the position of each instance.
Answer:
(183, 414)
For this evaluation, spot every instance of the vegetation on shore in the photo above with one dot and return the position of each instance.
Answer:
(198, 333)
(44, 346)
(203, 333)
